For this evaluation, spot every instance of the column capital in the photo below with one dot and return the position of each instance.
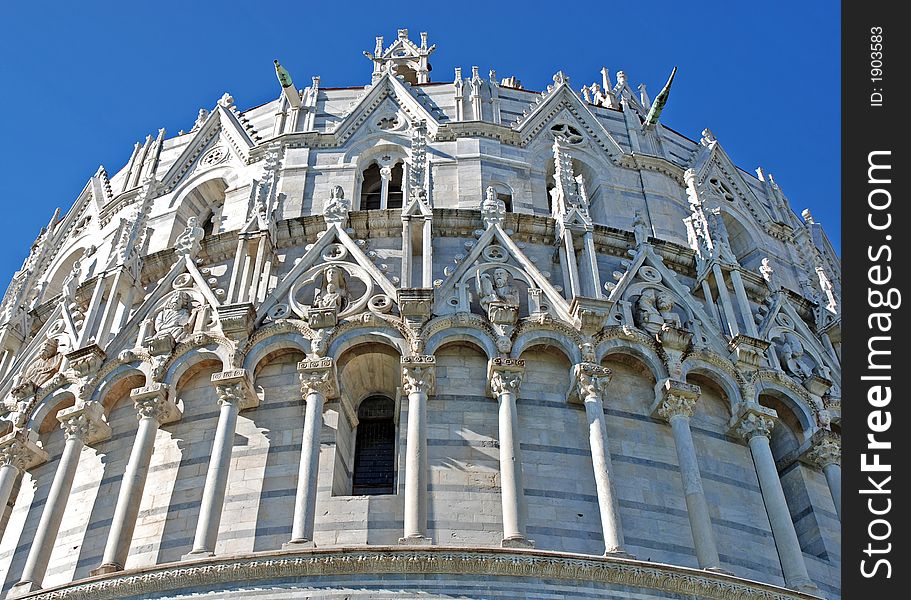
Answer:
(234, 387)
(751, 420)
(318, 375)
(677, 399)
(588, 380)
(504, 375)
(418, 374)
(152, 402)
(84, 422)
(19, 450)
(824, 449)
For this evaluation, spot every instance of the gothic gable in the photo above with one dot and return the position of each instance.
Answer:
(220, 138)
(561, 105)
(719, 182)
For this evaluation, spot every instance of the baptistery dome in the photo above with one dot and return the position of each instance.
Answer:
(424, 338)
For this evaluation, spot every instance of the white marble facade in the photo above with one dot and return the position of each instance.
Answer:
(411, 336)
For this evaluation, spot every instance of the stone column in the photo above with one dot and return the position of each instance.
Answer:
(744, 303)
(234, 395)
(153, 409)
(725, 298)
(417, 382)
(825, 453)
(82, 424)
(385, 177)
(18, 453)
(676, 406)
(754, 424)
(589, 384)
(504, 376)
(318, 383)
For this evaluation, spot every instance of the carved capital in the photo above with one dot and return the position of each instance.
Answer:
(678, 399)
(752, 420)
(505, 375)
(590, 313)
(825, 449)
(152, 402)
(748, 352)
(237, 321)
(233, 387)
(318, 376)
(418, 374)
(84, 422)
(18, 449)
(589, 381)
(87, 360)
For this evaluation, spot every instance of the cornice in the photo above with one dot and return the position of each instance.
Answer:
(246, 570)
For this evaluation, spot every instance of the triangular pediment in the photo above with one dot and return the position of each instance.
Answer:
(334, 247)
(495, 248)
(220, 138)
(562, 105)
(391, 88)
(717, 178)
(647, 270)
(781, 318)
(184, 276)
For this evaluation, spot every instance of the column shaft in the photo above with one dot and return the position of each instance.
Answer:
(696, 506)
(833, 478)
(416, 467)
(213, 495)
(308, 474)
(725, 297)
(601, 461)
(792, 563)
(51, 517)
(131, 488)
(744, 303)
(8, 475)
(511, 488)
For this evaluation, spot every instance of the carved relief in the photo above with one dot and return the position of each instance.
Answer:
(45, 365)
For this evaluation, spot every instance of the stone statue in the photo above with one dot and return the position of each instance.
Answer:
(337, 207)
(176, 317)
(45, 365)
(647, 316)
(640, 228)
(334, 293)
(790, 351)
(720, 239)
(768, 273)
(665, 302)
(188, 242)
(497, 289)
(493, 209)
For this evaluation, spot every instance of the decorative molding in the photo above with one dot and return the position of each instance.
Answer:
(475, 563)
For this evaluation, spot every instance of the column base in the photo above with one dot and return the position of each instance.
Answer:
(617, 553)
(23, 588)
(415, 540)
(106, 568)
(807, 587)
(717, 570)
(193, 555)
(517, 542)
(298, 545)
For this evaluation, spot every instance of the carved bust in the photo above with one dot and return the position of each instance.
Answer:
(337, 206)
(497, 288)
(45, 365)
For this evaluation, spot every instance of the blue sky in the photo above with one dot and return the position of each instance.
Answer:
(81, 82)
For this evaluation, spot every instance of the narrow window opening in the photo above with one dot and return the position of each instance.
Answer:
(374, 448)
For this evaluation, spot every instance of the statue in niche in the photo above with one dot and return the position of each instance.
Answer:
(45, 365)
(790, 351)
(640, 228)
(177, 317)
(720, 239)
(498, 296)
(665, 304)
(334, 293)
(337, 207)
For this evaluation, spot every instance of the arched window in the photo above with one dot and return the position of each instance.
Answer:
(374, 448)
(379, 194)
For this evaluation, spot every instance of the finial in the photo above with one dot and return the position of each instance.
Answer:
(807, 216)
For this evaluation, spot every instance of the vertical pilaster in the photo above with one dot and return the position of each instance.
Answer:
(743, 303)
(504, 377)
(725, 297)
(406, 251)
(589, 385)
(319, 382)
(418, 377)
(81, 425)
(754, 424)
(676, 406)
(234, 395)
(427, 254)
(153, 409)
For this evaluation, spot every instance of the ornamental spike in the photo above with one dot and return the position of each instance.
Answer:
(660, 100)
